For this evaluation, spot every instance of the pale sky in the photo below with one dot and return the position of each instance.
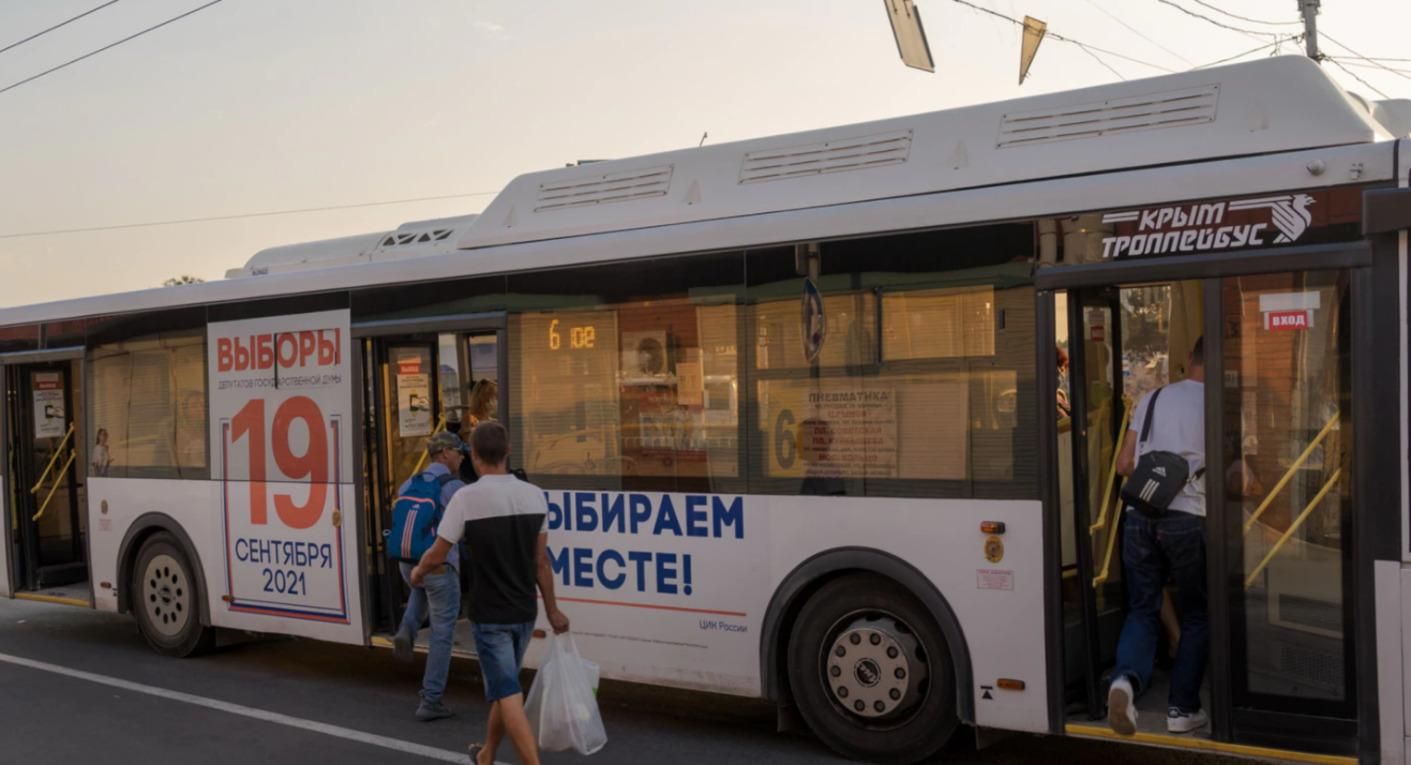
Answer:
(256, 105)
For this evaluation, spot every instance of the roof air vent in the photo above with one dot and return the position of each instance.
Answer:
(835, 156)
(603, 188)
(1171, 108)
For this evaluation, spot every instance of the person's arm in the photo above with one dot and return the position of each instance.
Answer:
(1127, 460)
(431, 559)
(545, 575)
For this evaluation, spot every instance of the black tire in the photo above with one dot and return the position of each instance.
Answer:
(166, 599)
(898, 670)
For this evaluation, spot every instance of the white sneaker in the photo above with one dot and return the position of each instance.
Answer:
(1185, 722)
(1121, 710)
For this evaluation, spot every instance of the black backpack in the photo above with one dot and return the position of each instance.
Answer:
(1159, 476)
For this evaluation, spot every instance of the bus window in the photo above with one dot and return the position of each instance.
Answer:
(922, 382)
(629, 376)
(149, 407)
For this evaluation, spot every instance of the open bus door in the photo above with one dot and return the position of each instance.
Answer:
(1280, 488)
(420, 379)
(47, 460)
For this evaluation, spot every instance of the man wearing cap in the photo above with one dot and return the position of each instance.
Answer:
(440, 589)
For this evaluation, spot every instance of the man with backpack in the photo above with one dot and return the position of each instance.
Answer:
(421, 502)
(1163, 541)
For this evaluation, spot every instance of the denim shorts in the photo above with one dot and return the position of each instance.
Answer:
(500, 648)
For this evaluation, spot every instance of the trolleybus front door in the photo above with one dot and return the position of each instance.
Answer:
(1278, 494)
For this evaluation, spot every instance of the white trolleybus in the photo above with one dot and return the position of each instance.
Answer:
(826, 418)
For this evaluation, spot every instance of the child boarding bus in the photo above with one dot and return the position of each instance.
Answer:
(798, 409)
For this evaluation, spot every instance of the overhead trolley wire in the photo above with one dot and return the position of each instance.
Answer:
(1293, 39)
(1371, 65)
(65, 22)
(1354, 76)
(1216, 22)
(1220, 10)
(109, 46)
(1361, 57)
(1091, 49)
(239, 216)
(1138, 32)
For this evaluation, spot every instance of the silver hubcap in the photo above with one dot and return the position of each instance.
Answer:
(875, 668)
(166, 595)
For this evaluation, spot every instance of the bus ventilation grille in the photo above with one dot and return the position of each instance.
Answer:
(404, 238)
(604, 188)
(1171, 108)
(835, 156)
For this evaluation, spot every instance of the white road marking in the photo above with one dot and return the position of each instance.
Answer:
(407, 747)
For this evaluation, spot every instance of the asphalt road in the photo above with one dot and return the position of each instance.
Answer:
(78, 686)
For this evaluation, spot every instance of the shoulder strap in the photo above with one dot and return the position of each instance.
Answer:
(444, 479)
(1146, 421)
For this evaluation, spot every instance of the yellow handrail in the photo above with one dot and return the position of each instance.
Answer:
(1112, 472)
(1302, 458)
(440, 426)
(58, 452)
(1107, 556)
(58, 479)
(1116, 506)
(1297, 522)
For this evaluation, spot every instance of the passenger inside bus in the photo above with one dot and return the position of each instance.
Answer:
(1164, 542)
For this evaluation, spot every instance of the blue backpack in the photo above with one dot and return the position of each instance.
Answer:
(415, 516)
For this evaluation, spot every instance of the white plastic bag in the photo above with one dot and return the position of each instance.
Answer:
(562, 703)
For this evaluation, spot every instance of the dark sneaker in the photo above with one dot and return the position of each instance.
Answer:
(1178, 721)
(402, 644)
(432, 710)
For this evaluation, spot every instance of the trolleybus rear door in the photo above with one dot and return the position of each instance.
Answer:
(46, 445)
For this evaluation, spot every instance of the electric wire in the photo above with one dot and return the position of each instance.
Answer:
(1099, 59)
(109, 46)
(1357, 55)
(240, 216)
(1069, 40)
(1220, 10)
(1275, 44)
(1370, 65)
(1138, 32)
(1354, 76)
(65, 22)
(1256, 33)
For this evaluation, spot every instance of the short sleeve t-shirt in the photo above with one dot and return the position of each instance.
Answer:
(500, 517)
(1178, 426)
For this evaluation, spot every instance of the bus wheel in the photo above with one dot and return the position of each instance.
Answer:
(871, 673)
(166, 599)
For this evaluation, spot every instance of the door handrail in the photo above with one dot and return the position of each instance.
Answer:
(1116, 506)
(1297, 523)
(1112, 471)
(58, 479)
(58, 452)
(1288, 474)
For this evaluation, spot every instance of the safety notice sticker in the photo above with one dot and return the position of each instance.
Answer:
(994, 579)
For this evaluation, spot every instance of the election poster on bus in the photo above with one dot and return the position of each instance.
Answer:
(281, 401)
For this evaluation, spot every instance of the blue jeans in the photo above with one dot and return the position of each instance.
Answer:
(500, 649)
(1155, 550)
(441, 594)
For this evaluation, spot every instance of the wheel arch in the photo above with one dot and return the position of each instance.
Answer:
(143, 528)
(806, 578)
